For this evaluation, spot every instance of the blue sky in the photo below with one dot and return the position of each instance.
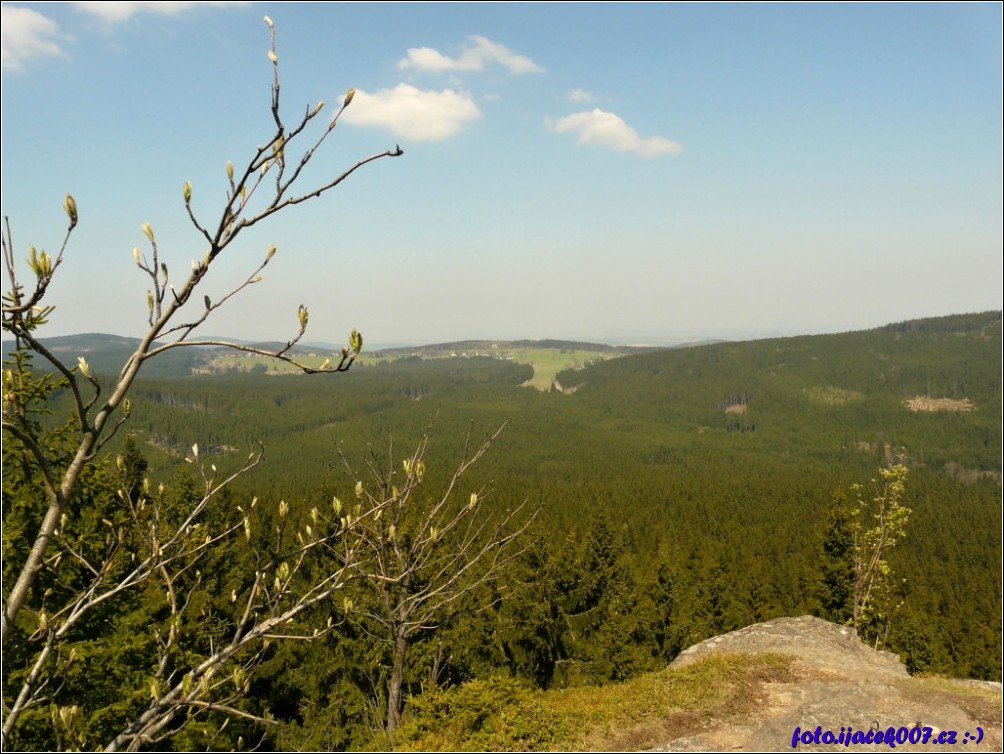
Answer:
(629, 173)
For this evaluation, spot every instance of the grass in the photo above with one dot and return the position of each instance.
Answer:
(502, 714)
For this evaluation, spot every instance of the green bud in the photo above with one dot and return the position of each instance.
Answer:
(149, 301)
(356, 341)
(230, 170)
(186, 192)
(70, 205)
(303, 315)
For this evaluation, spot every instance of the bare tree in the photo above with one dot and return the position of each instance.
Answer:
(424, 551)
(145, 547)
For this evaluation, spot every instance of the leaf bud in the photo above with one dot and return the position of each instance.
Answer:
(303, 315)
(147, 231)
(356, 341)
(272, 56)
(230, 170)
(70, 205)
(348, 97)
(186, 192)
(137, 256)
(269, 22)
(84, 369)
(271, 252)
(149, 301)
(283, 508)
(474, 500)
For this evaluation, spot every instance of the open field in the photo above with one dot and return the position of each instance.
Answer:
(547, 362)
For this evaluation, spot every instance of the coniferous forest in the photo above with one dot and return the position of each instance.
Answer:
(654, 500)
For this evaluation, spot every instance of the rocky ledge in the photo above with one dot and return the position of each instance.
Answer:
(842, 686)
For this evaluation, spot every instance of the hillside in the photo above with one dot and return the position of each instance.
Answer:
(680, 494)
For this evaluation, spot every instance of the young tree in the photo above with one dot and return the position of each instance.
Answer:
(873, 581)
(423, 553)
(137, 541)
(856, 583)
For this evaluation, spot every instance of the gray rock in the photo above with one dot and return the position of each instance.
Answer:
(842, 684)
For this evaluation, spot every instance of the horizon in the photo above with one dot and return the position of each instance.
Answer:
(654, 173)
(623, 341)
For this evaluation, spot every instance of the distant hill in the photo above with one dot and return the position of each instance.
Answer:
(437, 350)
(107, 353)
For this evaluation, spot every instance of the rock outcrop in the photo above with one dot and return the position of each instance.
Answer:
(842, 684)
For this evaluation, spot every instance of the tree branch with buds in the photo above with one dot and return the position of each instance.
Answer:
(424, 550)
(58, 462)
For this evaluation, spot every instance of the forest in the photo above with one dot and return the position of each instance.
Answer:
(658, 499)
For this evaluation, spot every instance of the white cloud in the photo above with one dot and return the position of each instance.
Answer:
(25, 34)
(473, 58)
(580, 95)
(609, 130)
(120, 11)
(412, 113)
